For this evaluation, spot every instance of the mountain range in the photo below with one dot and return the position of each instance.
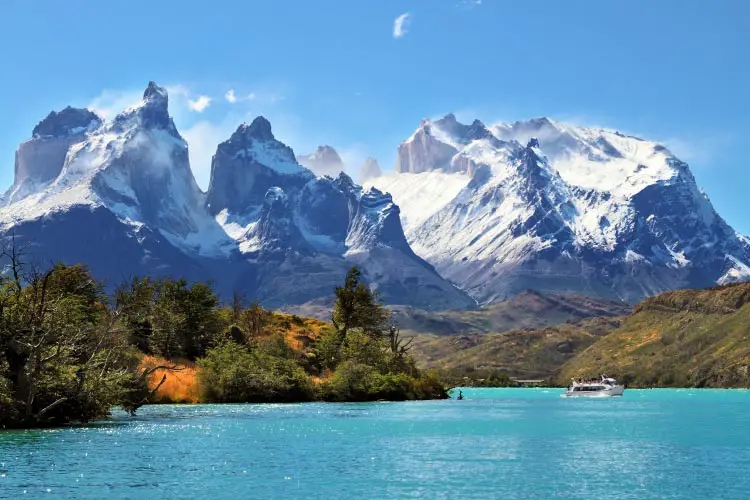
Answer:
(472, 215)
(119, 196)
(553, 207)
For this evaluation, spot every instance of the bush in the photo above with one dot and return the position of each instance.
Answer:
(231, 374)
(352, 381)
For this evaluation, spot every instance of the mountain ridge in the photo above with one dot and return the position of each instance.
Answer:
(474, 215)
(126, 184)
(545, 205)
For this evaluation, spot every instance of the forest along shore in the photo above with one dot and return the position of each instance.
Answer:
(69, 353)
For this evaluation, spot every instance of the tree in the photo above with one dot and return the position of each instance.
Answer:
(256, 320)
(63, 354)
(170, 318)
(358, 307)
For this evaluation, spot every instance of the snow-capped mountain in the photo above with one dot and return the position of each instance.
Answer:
(323, 161)
(120, 196)
(300, 231)
(544, 205)
(496, 210)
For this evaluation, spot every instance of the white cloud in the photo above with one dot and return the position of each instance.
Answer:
(110, 102)
(401, 25)
(232, 97)
(202, 138)
(199, 104)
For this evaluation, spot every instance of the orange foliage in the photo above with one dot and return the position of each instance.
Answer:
(323, 378)
(181, 384)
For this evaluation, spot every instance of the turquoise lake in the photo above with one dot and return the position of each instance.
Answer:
(497, 443)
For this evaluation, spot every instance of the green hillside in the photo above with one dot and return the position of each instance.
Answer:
(686, 338)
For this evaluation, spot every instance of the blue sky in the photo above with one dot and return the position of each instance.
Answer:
(339, 73)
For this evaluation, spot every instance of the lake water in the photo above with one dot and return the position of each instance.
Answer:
(497, 443)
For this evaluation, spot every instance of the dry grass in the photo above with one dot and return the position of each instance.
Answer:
(180, 385)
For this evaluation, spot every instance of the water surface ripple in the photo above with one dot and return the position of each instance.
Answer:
(497, 443)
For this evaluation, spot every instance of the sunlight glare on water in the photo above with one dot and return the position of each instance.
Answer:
(497, 443)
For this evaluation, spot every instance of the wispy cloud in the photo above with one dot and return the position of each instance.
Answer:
(401, 25)
(202, 138)
(232, 97)
(199, 104)
(110, 102)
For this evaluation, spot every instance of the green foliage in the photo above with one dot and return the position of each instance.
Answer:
(358, 307)
(62, 356)
(328, 350)
(171, 318)
(68, 355)
(231, 374)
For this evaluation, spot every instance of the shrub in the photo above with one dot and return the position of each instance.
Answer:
(231, 374)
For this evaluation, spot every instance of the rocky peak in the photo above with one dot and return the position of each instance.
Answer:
(276, 230)
(69, 121)
(323, 161)
(369, 170)
(151, 113)
(259, 129)
(247, 165)
(461, 133)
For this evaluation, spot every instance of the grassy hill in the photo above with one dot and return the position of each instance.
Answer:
(686, 338)
(528, 353)
(529, 309)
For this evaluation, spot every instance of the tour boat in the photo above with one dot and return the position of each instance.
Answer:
(602, 387)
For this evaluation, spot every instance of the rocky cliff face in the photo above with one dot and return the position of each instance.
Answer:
(40, 159)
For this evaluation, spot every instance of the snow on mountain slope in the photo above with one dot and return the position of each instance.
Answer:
(314, 227)
(420, 195)
(40, 159)
(555, 207)
(137, 167)
(267, 225)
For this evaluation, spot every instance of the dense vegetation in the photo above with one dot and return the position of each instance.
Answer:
(69, 352)
(685, 338)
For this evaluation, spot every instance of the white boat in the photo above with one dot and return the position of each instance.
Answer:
(604, 387)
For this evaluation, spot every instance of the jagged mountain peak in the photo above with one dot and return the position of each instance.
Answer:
(325, 160)
(436, 145)
(255, 145)
(153, 91)
(151, 113)
(69, 121)
(260, 129)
